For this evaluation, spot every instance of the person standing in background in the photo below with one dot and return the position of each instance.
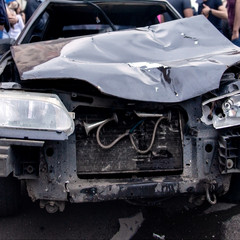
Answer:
(233, 7)
(22, 4)
(17, 28)
(184, 7)
(214, 11)
(7, 19)
(16, 7)
(4, 23)
(30, 8)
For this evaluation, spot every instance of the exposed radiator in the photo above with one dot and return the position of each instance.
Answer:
(164, 155)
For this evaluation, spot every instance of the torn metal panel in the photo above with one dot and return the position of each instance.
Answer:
(231, 112)
(228, 116)
(169, 62)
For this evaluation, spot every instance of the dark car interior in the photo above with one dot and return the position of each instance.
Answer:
(68, 19)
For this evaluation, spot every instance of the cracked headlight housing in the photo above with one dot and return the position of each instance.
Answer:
(34, 115)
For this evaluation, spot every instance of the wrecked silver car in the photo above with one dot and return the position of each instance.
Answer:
(148, 111)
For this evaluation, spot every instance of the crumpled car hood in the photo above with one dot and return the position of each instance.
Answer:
(169, 62)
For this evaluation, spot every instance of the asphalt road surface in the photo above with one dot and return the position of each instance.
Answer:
(120, 220)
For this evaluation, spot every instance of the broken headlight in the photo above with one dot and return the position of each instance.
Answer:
(35, 113)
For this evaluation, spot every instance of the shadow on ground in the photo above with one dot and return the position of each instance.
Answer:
(171, 220)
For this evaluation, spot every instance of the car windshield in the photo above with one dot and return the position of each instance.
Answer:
(70, 19)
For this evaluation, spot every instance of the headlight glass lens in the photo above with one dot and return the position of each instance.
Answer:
(38, 111)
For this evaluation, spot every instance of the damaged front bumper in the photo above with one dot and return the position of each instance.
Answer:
(49, 169)
(57, 170)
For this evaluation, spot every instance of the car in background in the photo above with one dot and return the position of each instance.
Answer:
(105, 100)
